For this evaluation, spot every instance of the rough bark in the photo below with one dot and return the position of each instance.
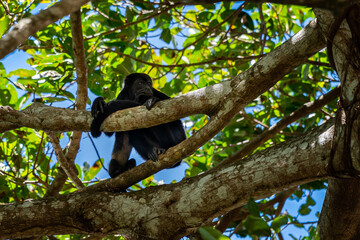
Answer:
(172, 211)
(340, 215)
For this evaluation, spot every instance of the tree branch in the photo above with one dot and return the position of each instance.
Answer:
(188, 204)
(29, 26)
(66, 165)
(80, 64)
(40, 116)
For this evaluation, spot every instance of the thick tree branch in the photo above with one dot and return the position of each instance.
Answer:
(180, 207)
(29, 26)
(40, 116)
(339, 218)
(255, 142)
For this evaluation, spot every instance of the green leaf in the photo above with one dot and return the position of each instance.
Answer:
(204, 16)
(21, 72)
(4, 24)
(166, 35)
(278, 222)
(304, 210)
(253, 208)
(149, 181)
(257, 226)
(93, 170)
(5, 97)
(310, 201)
(247, 20)
(305, 72)
(3, 183)
(209, 233)
(53, 99)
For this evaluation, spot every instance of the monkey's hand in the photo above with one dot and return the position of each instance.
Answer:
(151, 102)
(153, 156)
(98, 107)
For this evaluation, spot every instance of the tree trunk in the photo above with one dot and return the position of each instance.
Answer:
(340, 215)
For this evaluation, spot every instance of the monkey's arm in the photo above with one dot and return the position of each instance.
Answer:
(101, 110)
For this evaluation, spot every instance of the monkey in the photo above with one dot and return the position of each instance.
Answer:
(148, 142)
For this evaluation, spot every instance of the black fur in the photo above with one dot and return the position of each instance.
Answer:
(148, 142)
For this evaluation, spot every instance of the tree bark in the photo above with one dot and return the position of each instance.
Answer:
(340, 215)
(175, 210)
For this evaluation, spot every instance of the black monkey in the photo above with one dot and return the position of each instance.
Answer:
(148, 142)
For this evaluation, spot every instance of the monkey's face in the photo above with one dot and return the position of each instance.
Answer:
(141, 89)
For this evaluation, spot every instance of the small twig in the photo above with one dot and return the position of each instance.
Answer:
(280, 236)
(263, 28)
(254, 120)
(97, 152)
(318, 63)
(6, 7)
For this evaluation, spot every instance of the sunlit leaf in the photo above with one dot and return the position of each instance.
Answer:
(209, 233)
(4, 24)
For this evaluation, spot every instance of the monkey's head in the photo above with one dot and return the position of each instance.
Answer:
(138, 87)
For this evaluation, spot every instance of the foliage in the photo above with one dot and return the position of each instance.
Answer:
(182, 48)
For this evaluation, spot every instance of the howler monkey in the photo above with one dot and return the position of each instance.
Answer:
(148, 142)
